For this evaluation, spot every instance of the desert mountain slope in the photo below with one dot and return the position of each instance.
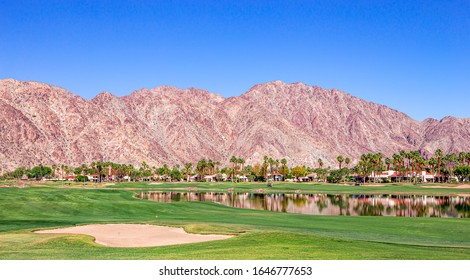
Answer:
(46, 124)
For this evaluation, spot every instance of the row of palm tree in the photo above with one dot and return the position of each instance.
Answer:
(410, 164)
(270, 162)
(407, 164)
(237, 165)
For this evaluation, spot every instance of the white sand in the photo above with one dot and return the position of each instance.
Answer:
(446, 187)
(135, 235)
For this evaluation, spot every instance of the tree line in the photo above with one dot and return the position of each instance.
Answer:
(408, 165)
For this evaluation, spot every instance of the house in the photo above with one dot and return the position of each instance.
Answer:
(391, 175)
(242, 178)
(303, 179)
(210, 178)
(70, 177)
(384, 174)
(195, 178)
(224, 177)
(312, 177)
(93, 177)
(275, 177)
(427, 177)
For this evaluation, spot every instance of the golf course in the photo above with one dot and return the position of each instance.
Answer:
(255, 234)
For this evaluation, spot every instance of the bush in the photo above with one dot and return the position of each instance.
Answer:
(81, 178)
(260, 179)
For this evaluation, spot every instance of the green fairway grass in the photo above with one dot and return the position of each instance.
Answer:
(285, 187)
(257, 234)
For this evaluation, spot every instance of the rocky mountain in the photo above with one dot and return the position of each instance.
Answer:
(41, 123)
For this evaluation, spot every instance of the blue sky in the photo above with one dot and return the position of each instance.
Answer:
(413, 56)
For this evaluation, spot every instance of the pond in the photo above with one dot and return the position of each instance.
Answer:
(330, 205)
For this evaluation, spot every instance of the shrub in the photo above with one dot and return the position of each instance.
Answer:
(81, 178)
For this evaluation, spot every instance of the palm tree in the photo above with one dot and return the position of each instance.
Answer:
(340, 160)
(62, 170)
(439, 155)
(201, 168)
(432, 165)
(462, 157)
(241, 161)
(129, 169)
(347, 161)
(397, 165)
(265, 170)
(204, 166)
(417, 162)
(376, 160)
(116, 169)
(93, 164)
(320, 163)
(211, 165)
(54, 167)
(283, 162)
(451, 160)
(271, 162)
(365, 166)
(84, 167)
(188, 167)
(99, 166)
(403, 155)
(233, 160)
(388, 162)
(409, 156)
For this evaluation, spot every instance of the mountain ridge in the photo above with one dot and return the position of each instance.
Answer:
(165, 124)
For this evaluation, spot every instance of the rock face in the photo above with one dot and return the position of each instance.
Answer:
(45, 124)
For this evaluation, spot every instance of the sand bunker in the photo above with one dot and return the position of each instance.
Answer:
(134, 235)
(446, 187)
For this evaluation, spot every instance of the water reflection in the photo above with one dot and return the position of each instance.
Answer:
(330, 205)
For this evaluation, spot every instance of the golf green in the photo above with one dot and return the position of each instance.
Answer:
(259, 234)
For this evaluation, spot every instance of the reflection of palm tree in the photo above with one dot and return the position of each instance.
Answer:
(463, 209)
(284, 203)
(299, 200)
(321, 203)
(367, 208)
(342, 201)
